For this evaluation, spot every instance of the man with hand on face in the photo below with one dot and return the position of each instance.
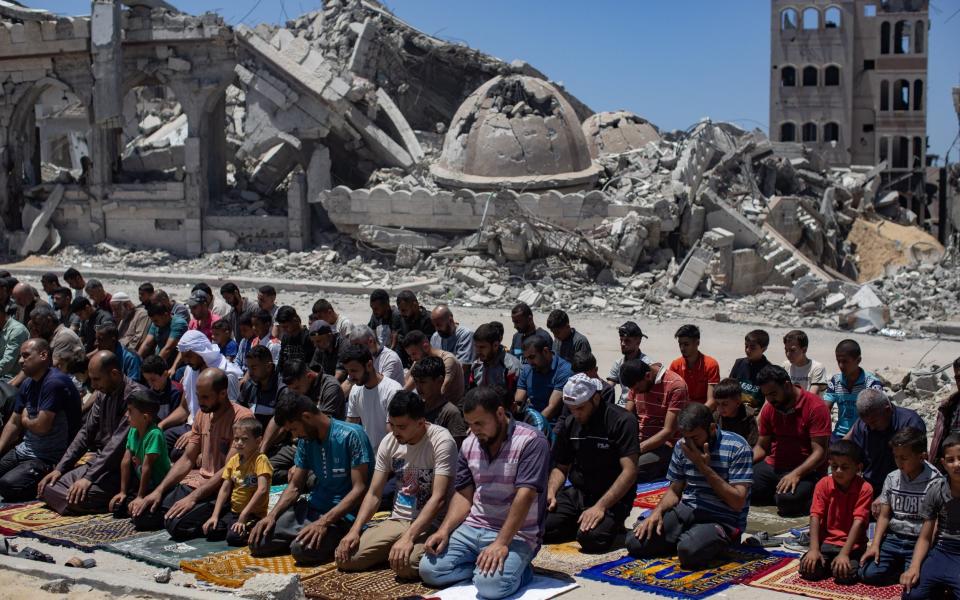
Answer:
(597, 447)
(451, 336)
(494, 524)
(423, 458)
(88, 488)
(185, 498)
(704, 510)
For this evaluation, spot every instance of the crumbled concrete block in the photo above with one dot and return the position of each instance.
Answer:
(178, 64)
(834, 301)
(270, 586)
(471, 277)
(496, 290)
(809, 289)
(407, 256)
(56, 586)
(531, 298)
(597, 302)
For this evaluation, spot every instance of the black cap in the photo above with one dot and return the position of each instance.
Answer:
(630, 329)
(198, 297)
(320, 327)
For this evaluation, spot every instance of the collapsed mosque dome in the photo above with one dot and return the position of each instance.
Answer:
(515, 132)
(617, 132)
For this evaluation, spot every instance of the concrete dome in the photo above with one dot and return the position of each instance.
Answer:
(616, 132)
(515, 132)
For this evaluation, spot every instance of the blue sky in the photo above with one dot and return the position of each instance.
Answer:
(670, 62)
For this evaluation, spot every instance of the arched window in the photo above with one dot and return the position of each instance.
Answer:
(901, 95)
(918, 38)
(831, 132)
(810, 77)
(788, 77)
(809, 132)
(788, 19)
(884, 148)
(901, 152)
(901, 37)
(831, 76)
(884, 95)
(918, 94)
(811, 18)
(788, 132)
(885, 37)
(831, 18)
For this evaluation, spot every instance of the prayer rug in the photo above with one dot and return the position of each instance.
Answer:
(649, 494)
(541, 587)
(87, 535)
(569, 559)
(664, 576)
(234, 567)
(368, 585)
(32, 516)
(158, 549)
(787, 579)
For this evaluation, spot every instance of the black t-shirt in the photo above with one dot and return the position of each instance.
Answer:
(567, 349)
(448, 416)
(296, 346)
(746, 373)
(516, 346)
(88, 328)
(328, 361)
(594, 450)
(326, 393)
(419, 322)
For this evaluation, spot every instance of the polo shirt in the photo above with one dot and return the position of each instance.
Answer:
(332, 459)
(519, 338)
(460, 344)
(523, 461)
(593, 451)
(731, 458)
(844, 394)
(877, 454)
(940, 504)
(698, 377)
(12, 335)
(668, 394)
(746, 373)
(54, 392)
(838, 508)
(568, 348)
(790, 433)
(259, 398)
(214, 435)
(539, 386)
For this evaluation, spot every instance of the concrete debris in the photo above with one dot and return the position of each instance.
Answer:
(389, 238)
(269, 586)
(57, 586)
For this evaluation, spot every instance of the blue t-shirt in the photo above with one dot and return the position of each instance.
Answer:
(57, 394)
(844, 394)
(539, 385)
(331, 460)
(230, 349)
(877, 453)
(731, 457)
(131, 362)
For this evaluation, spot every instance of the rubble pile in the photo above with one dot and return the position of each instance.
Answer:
(922, 389)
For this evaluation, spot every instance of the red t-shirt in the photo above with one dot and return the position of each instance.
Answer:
(837, 509)
(791, 433)
(706, 372)
(669, 394)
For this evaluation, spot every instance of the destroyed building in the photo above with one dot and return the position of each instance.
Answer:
(349, 124)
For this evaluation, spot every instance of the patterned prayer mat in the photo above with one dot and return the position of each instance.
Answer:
(570, 560)
(649, 494)
(664, 576)
(787, 579)
(32, 516)
(233, 567)
(370, 585)
(87, 535)
(158, 549)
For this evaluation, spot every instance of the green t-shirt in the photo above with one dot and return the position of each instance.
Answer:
(152, 443)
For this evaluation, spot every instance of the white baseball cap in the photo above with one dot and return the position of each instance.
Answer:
(580, 388)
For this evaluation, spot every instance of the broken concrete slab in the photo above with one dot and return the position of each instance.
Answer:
(809, 288)
(531, 298)
(694, 270)
(407, 256)
(39, 233)
(390, 238)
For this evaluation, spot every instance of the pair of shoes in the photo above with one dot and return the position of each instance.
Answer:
(800, 544)
(759, 539)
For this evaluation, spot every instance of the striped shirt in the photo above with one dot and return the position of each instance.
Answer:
(844, 395)
(732, 459)
(668, 394)
(523, 461)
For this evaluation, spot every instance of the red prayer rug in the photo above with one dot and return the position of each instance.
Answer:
(787, 579)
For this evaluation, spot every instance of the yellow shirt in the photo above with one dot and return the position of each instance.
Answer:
(244, 478)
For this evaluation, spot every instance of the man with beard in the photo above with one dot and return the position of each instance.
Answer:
(45, 418)
(326, 355)
(185, 498)
(657, 395)
(339, 456)
(493, 365)
(418, 347)
(108, 338)
(238, 305)
(164, 333)
(295, 341)
(597, 447)
(494, 523)
(384, 321)
(428, 376)
(385, 361)
(65, 344)
(791, 455)
(61, 299)
(704, 510)
(423, 458)
(91, 317)
(451, 336)
(81, 489)
(323, 389)
(413, 317)
(132, 321)
(370, 395)
(630, 337)
(522, 317)
(541, 379)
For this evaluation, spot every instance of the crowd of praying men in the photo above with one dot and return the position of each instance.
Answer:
(181, 416)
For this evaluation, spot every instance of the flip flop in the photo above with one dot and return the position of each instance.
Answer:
(34, 554)
(81, 563)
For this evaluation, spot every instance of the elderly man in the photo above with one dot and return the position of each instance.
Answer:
(90, 317)
(541, 379)
(12, 335)
(494, 523)
(185, 498)
(27, 299)
(385, 361)
(878, 421)
(46, 416)
(80, 489)
(451, 336)
(417, 346)
(133, 322)
(596, 447)
(98, 296)
(108, 338)
(704, 510)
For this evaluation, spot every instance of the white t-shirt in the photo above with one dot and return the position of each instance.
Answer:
(388, 364)
(415, 468)
(812, 373)
(370, 406)
(343, 326)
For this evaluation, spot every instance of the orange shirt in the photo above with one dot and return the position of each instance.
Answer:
(215, 437)
(706, 372)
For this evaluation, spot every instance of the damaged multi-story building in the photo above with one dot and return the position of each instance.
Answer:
(349, 122)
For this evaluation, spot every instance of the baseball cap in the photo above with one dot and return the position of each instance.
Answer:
(630, 329)
(198, 297)
(320, 327)
(580, 388)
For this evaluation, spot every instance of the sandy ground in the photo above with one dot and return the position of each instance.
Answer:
(724, 341)
(17, 586)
